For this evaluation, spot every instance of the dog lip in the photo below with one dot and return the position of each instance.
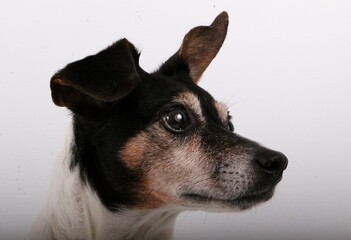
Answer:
(246, 199)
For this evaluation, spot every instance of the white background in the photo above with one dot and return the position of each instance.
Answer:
(285, 70)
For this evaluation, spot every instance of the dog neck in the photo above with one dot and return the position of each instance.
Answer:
(74, 211)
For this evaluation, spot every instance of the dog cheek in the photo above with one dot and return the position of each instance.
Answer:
(160, 181)
(177, 164)
(152, 197)
(187, 165)
(165, 175)
(134, 151)
(149, 156)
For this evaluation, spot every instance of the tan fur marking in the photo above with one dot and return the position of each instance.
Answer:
(153, 198)
(60, 81)
(134, 151)
(222, 110)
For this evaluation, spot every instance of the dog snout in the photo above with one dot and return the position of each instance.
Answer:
(272, 162)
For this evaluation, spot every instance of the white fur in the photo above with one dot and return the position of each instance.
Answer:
(74, 211)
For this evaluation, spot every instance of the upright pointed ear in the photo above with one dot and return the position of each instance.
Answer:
(88, 84)
(200, 45)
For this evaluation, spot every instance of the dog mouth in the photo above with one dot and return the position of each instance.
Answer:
(243, 202)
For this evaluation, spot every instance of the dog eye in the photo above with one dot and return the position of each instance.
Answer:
(176, 120)
(230, 126)
(230, 123)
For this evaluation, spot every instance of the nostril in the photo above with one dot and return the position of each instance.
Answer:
(271, 161)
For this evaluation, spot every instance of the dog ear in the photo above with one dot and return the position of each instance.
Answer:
(200, 45)
(97, 80)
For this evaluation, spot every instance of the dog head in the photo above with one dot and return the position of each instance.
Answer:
(146, 141)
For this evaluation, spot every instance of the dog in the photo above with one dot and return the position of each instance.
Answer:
(144, 147)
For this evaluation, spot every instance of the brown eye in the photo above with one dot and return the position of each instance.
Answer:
(230, 123)
(176, 120)
(230, 126)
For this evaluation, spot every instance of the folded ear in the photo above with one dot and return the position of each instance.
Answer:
(98, 79)
(200, 45)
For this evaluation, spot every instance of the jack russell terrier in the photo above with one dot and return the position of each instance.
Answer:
(144, 147)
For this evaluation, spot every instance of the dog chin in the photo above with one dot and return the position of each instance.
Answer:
(210, 203)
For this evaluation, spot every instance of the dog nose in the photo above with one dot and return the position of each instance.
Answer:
(271, 161)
